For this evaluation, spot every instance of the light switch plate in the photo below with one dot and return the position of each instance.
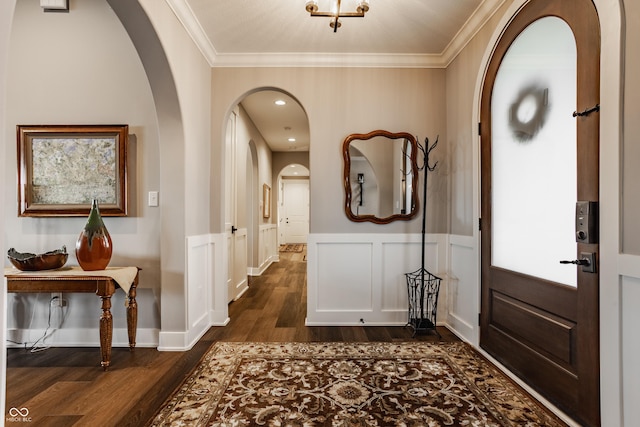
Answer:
(153, 198)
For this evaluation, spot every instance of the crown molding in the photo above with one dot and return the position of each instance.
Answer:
(483, 13)
(187, 18)
(476, 21)
(355, 60)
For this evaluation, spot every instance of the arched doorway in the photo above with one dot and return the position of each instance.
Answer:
(266, 128)
(538, 317)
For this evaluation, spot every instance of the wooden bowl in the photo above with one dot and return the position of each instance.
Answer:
(32, 262)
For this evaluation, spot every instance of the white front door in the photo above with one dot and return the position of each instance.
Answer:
(295, 207)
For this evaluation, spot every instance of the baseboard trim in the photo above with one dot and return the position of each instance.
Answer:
(80, 337)
(183, 341)
(257, 271)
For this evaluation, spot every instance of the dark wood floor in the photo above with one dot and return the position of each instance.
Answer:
(65, 386)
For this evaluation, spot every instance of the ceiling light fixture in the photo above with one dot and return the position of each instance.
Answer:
(292, 140)
(363, 7)
(280, 102)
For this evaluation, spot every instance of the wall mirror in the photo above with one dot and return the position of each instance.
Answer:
(380, 176)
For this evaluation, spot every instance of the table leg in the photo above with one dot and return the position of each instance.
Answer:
(132, 316)
(106, 331)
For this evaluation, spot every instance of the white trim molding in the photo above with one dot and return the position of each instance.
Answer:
(463, 303)
(206, 292)
(268, 249)
(80, 337)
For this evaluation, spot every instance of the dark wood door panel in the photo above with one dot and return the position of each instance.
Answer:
(543, 332)
(562, 390)
(549, 296)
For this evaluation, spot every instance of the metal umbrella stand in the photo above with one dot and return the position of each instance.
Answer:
(422, 286)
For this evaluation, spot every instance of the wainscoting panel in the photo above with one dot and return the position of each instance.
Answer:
(206, 291)
(630, 297)
(240, 262)
(268, 249)
(199, 256)
(463, 290)
(360, 278)
(399, 258)
(346, 277)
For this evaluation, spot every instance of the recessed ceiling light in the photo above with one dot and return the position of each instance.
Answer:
(292, 140)
(280, 102)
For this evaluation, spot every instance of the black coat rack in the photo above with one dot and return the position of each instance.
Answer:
(423, 287)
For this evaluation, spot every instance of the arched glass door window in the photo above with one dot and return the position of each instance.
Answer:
(534, 136)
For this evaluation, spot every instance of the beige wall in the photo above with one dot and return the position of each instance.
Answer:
(57, 77)
(246, 133)
(462, 78)
(339, 102)
(282, 159)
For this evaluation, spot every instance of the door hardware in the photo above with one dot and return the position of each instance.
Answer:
(587, 111)
(577, 262)
(233, 229)
(587, 261)
(586, 222)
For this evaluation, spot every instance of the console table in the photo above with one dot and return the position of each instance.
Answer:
(73, 279)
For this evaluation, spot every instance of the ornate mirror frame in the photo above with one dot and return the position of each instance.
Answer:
(347, 174)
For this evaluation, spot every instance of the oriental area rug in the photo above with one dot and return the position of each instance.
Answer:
(349, 384)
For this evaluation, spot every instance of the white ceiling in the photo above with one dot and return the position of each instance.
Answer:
(394, 33)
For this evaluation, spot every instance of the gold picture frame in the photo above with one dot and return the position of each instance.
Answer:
(266, 201)
(61, 169)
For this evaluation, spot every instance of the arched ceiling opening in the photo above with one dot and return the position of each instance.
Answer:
(280, 119)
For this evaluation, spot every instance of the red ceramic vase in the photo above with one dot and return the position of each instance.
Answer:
(93, 247)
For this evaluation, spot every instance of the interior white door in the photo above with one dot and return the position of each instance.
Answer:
(230, 203)
(295, 203)
(236, 239)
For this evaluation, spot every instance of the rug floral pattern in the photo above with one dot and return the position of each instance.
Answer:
(349, 384)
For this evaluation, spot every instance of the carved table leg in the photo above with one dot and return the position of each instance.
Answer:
(132, 316)
(106, 331)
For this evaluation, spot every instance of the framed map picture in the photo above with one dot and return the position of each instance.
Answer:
(61, 169)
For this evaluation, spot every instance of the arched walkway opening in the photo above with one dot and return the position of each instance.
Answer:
(267, 130)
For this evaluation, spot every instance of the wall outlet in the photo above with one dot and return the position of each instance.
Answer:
(56, 299)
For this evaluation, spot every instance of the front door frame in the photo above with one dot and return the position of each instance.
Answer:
(612, 19)
(488, 59)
